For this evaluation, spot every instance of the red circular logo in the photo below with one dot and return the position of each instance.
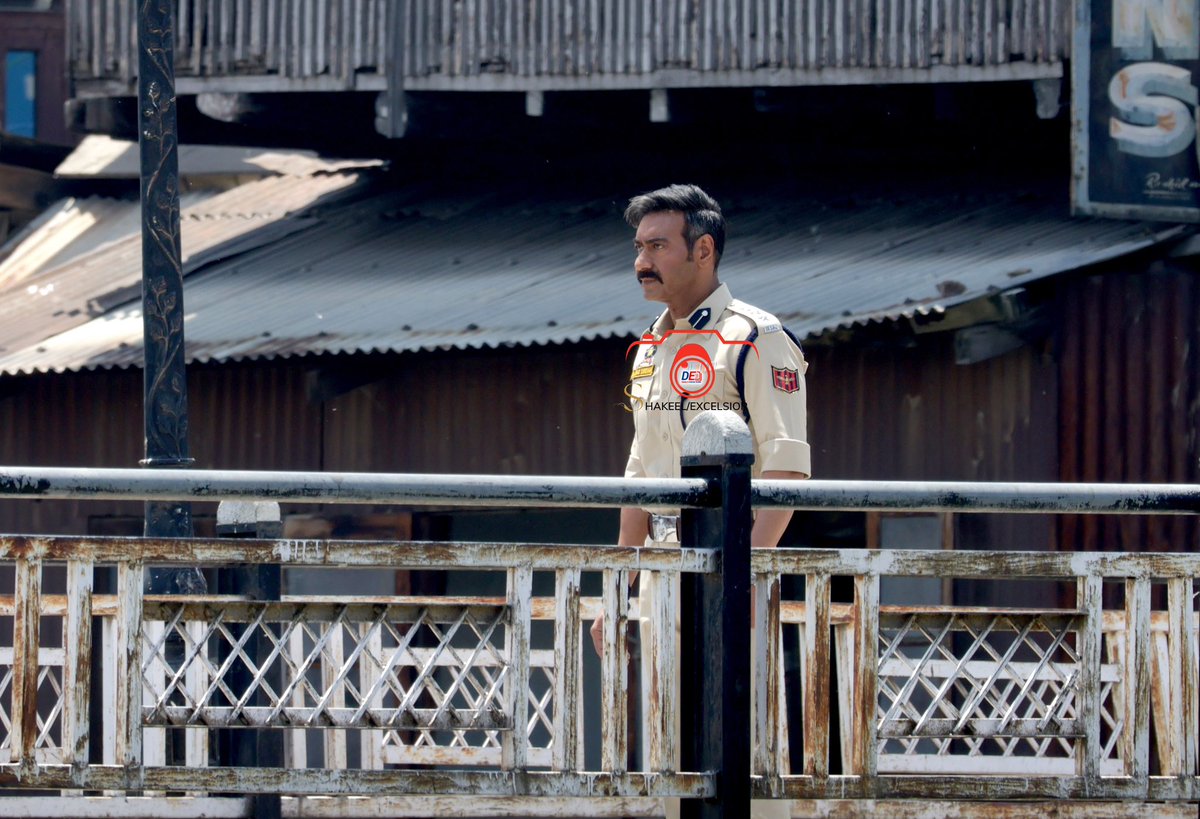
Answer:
(692, 374)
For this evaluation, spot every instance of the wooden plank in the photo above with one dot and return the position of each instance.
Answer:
(568, 670)
(1135, 736)
(1090, 599)
(514, 744)
(614, 671)
(816, 681)
(196, 682)
(331, 664)
(666, 643)
(26, 638)
(1190, 646)
(297, 740)
(370, 665)
(128, 656)
(767, 752)
(866, 681)
(77, 664)
(1182, 727)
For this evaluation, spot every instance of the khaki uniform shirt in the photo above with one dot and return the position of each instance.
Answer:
(772, 382)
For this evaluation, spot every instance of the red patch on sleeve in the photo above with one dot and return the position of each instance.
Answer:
(785, 379)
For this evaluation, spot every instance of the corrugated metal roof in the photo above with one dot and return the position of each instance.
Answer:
(102, 157)
(102, 266)
(403, 271)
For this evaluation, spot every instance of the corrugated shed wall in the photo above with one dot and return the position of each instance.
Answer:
(513, 411)
(546, 410)
(890, 412)
(1118, 386)
(1130, 398)
(87, 419)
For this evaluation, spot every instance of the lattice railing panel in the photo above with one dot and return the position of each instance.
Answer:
(48, 744)
(484, 747)
(423, 669)
(986, 691)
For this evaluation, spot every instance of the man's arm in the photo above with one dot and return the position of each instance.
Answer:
(770, 524)
(635, 525)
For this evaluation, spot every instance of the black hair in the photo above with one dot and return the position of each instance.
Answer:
(701, 213)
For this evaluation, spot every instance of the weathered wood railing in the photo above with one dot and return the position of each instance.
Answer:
(503, 45)
(482, 698)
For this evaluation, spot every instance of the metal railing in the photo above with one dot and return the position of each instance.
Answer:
(484, 697)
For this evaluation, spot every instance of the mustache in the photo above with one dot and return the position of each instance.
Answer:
(649, 275)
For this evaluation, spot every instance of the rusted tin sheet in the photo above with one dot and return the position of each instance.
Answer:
(1147, 325)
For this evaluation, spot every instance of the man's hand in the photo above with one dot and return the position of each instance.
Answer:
(635, 526)
(597, 632)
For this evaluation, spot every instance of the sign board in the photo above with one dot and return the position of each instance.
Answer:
(1135, 82)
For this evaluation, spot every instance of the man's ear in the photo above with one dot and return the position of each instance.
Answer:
(705, 249)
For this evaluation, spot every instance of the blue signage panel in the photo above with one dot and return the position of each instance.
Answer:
(1135, 97)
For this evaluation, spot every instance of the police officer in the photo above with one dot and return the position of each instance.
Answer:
(707, 350)
(745, 361)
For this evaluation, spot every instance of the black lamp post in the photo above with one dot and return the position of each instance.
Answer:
(162, 282)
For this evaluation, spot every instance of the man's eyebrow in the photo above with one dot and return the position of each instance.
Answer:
(649, 239)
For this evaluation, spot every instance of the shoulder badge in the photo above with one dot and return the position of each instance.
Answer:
(766, 322)
(785, 379)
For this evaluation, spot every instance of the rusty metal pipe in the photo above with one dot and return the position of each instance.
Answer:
(947, 496)
(543, 491)
(331, 487)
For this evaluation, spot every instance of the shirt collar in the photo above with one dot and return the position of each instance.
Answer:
(703, 317)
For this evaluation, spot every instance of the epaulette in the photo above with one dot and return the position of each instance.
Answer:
(765, 322)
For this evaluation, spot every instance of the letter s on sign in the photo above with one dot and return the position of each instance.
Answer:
(1152, 100)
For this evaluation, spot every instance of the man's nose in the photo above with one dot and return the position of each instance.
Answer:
(641, 264)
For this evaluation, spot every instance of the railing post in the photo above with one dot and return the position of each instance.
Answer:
(716, 620)
(77, 666)
(130, 578)
(254, 747)
(26, 652)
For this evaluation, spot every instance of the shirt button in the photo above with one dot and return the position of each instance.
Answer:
(664, 436)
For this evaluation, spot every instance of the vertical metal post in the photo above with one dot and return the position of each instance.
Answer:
(716, 649)
(165, 379)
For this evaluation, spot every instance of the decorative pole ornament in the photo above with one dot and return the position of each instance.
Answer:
(165, 377)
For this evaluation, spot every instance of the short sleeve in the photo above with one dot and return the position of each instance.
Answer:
(634, 467)
(777, 401)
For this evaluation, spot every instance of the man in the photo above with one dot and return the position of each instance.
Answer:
(746, 362)
(679, 242)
